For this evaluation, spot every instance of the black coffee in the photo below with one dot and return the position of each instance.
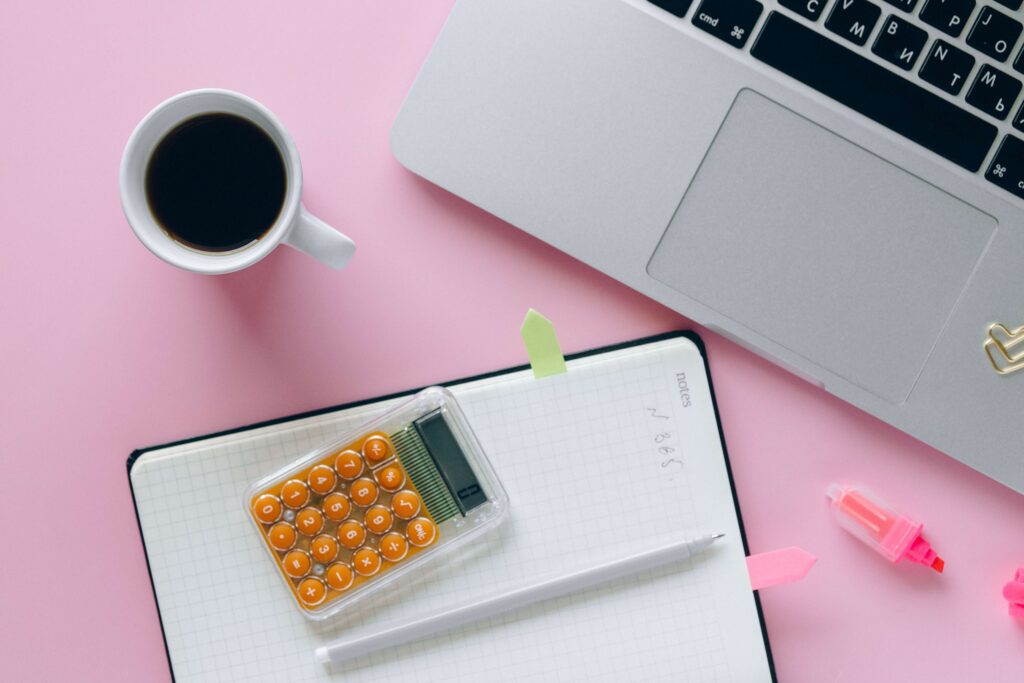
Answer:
(216, 182)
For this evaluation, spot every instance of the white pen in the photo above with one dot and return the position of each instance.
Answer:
(348, 648)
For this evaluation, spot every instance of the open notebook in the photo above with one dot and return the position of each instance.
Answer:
(622, 453)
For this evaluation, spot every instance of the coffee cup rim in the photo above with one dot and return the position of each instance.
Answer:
(152, 129)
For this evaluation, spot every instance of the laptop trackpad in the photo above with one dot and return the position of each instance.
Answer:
(821, 246)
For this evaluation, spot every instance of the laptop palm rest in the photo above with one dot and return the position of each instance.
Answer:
(821, 247)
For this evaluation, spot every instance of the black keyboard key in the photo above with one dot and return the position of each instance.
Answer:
(1018, 121)
(900, 42)
(1018, 64)
(948, 16)
(1007, 167)
(1012, 4)
(729, 20)
(994, 33)
(874, 91)
(676, 7)
(853, 19)
(805, 8)
(993, 92)
(905, 5)
(947, 67)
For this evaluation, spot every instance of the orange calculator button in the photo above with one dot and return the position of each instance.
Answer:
(349, 464)
(312, 592)
(363, 492)
(391, 478)
(324, 548)
(282, 536)
(322, 479)
(378, 519)
(296, 564)
(267, 508)
(339, 576)
(406, 504)
(337, 506)
(295, 493)
(394, 547)
(309, 521)
(366, 561)
(351, 534)
(377, 449)
(421, 532)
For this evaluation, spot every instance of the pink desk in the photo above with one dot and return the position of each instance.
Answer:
(105, 349)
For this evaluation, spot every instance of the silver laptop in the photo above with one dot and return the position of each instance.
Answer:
(837, 185)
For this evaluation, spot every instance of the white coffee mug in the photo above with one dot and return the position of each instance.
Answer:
(294, 226)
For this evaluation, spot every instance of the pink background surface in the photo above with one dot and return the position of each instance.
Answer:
(105, 349)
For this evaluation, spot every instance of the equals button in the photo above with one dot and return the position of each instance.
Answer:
(728, 20)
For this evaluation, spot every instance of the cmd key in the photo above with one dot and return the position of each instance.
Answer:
(1007, 167)
(728, 20)
(874, 91)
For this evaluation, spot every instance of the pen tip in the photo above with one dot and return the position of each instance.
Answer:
(938, 565)
(717, 536)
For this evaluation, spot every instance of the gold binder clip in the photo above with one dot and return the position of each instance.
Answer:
(1005, 348)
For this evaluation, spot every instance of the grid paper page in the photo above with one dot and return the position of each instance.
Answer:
(620, 454)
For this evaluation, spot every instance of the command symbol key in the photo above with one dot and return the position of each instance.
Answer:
(1007, 167)
(728, 20)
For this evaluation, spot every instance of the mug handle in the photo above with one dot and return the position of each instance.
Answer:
(314, 237)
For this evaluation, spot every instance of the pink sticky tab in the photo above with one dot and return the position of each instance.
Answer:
(779, 566)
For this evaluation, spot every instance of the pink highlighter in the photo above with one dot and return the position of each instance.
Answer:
(891, 535)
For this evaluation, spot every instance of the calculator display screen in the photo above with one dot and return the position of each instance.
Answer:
(444, 448)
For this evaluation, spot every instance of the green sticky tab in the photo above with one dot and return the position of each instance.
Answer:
(542, 347)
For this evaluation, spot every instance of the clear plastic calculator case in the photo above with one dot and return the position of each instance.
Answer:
(402, 491)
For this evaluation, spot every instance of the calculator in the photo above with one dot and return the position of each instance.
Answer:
(350, 518)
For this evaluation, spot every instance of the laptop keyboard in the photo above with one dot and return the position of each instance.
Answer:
(952, 69)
